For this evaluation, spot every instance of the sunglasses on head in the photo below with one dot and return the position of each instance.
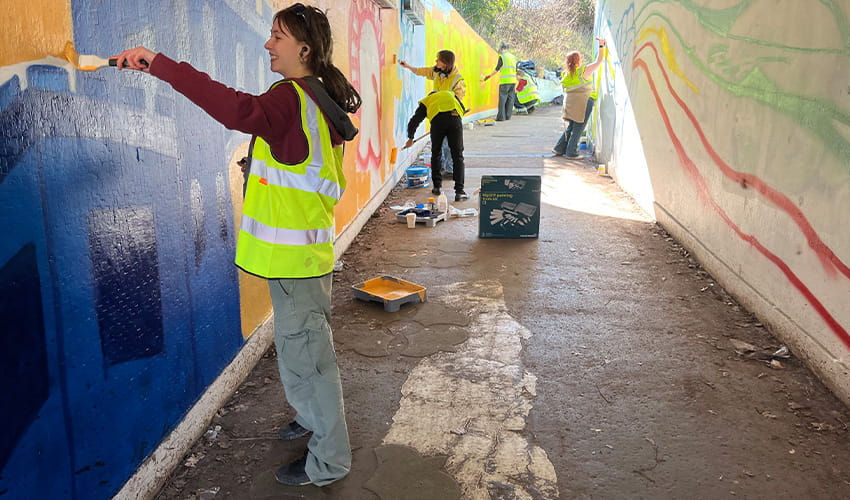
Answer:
(300, 10)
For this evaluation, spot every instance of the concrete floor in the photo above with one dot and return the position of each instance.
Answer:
(597, 361)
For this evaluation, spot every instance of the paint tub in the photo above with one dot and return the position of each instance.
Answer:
(418, 177)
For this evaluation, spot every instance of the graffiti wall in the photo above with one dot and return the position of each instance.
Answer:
(119, 302)
(744, 120)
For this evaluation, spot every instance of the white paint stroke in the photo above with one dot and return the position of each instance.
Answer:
(483, 394)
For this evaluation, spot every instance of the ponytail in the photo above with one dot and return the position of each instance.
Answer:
(573, 61)
(339, 88)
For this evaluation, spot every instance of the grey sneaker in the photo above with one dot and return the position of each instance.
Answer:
(292, 430)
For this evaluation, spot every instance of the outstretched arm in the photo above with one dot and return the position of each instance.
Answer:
(498, 67)
(595, 64)
(269, 115)
(425, 71)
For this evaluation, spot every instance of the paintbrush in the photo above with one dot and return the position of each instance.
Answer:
(87, 62)
(417, 139)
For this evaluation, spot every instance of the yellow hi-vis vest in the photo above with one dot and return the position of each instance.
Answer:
(440, 101)
(576, 81)
(529, 92)
(447, 83)
(507, 73)
(288, 217)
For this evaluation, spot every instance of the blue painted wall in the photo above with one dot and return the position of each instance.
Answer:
(118, 298)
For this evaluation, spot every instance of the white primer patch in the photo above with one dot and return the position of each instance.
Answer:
(471, 404)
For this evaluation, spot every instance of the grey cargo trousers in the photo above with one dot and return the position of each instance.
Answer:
(309, 372)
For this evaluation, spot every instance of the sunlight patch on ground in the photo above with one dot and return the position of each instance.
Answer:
(574, 189)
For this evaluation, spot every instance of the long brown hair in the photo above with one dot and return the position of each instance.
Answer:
(573, 62)
(310, 25)
(448, 57)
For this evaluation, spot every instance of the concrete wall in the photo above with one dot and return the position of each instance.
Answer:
(120, 307)
(743, 115)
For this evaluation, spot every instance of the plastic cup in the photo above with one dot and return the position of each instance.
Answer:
(411, 220)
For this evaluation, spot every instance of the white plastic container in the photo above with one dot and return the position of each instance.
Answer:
(442, 203)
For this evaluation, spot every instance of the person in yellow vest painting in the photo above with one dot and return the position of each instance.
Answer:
(444, 110)
(506, 67)
(294, 180)
(444, 73)
(446, 77)
(579, 97)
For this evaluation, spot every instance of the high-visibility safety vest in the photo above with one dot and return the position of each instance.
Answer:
(288, 216)
(528, 92)
(507, 73)
(441, 101)
(441, 83)
(576, 81)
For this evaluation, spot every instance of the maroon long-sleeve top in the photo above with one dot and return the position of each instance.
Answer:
(274, 115)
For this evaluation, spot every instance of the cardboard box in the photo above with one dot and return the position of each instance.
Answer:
(509, 206)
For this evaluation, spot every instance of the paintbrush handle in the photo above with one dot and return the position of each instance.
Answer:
(113, 61)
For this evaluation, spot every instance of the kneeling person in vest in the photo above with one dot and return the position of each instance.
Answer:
(444, 110)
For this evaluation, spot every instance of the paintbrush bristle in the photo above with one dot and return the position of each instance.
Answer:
(91, 63)
(70, 54)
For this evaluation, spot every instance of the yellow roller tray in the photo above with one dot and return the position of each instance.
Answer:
(392, 292)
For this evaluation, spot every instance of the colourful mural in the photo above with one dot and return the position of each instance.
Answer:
(744, 119)
(118, 297)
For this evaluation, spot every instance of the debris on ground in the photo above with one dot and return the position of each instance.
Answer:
(208, 494)
(193, 459)
(750, 351)
(212, 433)
(466, 212)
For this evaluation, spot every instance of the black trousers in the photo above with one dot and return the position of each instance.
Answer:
(447, 125)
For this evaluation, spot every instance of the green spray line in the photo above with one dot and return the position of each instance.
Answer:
(812, 113)
(841, 22)
(720, 21)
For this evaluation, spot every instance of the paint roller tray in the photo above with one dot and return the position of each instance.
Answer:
(392, 292)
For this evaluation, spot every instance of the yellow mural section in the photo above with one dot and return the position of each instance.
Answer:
(392, 89)
(47, 21)
(448, 31)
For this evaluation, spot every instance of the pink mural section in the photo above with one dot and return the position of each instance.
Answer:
(367, 59)
(748, 167)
